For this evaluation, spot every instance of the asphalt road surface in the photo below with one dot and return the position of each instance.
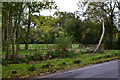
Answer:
(104, 70)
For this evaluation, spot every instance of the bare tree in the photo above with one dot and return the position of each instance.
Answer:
(101, 38)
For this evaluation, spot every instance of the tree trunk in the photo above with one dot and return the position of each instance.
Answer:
(13, 38)
(28, 31)
(7, 36)
(3, 31)
(118, 42)
(18, 32)
(79, 45)
(71, 45)
(13, 57)
(101, 38)
(7, 44)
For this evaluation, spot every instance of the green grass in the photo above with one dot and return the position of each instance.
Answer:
(86, 59)
(75, 46)
(41, 48)
(24, 52)
(37, 46)
(44, 46)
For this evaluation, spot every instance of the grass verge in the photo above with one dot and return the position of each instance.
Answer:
(57, 64)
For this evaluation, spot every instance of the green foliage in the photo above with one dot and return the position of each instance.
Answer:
(59, 53)
(104, 56)
(86, 32)
(91, 33)
(14, 72)
(63, 16)
(116, 54)
(73, 26)
(4, 62)
(46, 29)
(35, 57)
(81, 52)
(23, 60)
(62, 42)
(33, 68)
(71, 54)
(76, 61)
(48, 65)
(17, 61)
(54, 54)
(63, 63)
(56, 64)
(96, 58)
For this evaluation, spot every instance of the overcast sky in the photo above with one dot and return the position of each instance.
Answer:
(63, 5)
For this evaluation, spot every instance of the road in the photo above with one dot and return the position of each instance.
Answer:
(104, 70)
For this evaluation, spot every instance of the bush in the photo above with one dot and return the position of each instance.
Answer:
(17, 62)
(20, 61)
(54, 54)
(103, 56)
(57, 53)
(108, 56)
(48, 65)
(29, 57)
(35, 57)
(62, 42)
(97, 57)
(23, 60)
(116, 54)
(71, 54)
(61, 53)
(76, 61)
(4, 62)
(33, 68)
(14, 72)
(63, 63)
(81, 52)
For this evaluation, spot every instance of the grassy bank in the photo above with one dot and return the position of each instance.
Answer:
(57, 64)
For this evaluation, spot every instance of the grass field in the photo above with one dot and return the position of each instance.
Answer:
(40, 48)
(44, 46)
(56, 64)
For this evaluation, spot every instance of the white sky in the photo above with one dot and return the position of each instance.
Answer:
(63, 5)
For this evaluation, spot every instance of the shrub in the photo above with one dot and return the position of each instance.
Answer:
(76, 61)
(23, 60)
(14, 72)
(54, 54)
(63, 64)
(38, 57)
(57, 53)
(96, 57)
(29, 57)
(35, 57)
(48, 65)
(61, 53)
(108, 56)
(62, 42)
(33, 68)
(81, 52)
(17, 62)
(71, 54)
(4, 62)
(116, 54)
(20, 60)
